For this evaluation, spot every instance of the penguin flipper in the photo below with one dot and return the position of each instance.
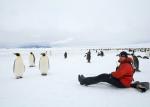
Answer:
(14, 66)
(48, 64)
(39, 64)
(34, 58)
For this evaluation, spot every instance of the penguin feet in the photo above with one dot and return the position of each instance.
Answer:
(81, 79)
(43, 74)
(32, 66)
(19, 77)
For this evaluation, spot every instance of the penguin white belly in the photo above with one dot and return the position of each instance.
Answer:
(148, 53)
(31, 60)
(44, 65)
(19, 67)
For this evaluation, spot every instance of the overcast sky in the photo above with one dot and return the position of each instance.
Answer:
(78, 22)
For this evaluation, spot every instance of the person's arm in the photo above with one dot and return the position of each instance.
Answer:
(120, 72)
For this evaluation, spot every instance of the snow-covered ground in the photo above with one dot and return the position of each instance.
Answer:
(61, 87)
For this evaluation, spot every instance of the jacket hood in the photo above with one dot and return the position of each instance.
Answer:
(127, 60)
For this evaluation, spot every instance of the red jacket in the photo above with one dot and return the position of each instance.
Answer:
(124, 72)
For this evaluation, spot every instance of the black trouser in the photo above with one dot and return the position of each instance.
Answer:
(134, 85)
(103, 78)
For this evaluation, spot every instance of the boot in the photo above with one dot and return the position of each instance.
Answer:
(141, 88)
(81, 79)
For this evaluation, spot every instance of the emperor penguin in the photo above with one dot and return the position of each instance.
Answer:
(31, 60)
(65, 55)
(19, 67)
(135, 62)
(88, 56)
(44, 64)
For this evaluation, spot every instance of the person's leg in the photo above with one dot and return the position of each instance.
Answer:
(134, 85)
(90, 80)
(115, 82)
(100, 78)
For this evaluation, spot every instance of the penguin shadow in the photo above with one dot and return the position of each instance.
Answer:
(139, 56)
(31, 66)
(145, 57)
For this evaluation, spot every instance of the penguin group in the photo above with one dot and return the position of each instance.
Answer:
(19, 67)
(136, 58)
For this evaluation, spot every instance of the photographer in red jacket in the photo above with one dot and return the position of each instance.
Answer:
(121, 78)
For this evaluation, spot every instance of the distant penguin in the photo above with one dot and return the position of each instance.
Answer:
(145, 57)
(31, 60)
(19, 67)
(44, 64)
(88, 56)
(65, 55)
(101, 53)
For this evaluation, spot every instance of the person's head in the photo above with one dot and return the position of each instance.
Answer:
(123, 55)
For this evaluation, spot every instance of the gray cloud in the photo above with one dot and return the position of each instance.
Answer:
(86, 21)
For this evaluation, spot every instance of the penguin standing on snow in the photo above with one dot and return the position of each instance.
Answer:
(65, 55)
(31, 60)
(19, 67)
(44, 64)
(88, 56)
(135, 62)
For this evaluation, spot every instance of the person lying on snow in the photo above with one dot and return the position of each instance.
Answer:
(121, 78)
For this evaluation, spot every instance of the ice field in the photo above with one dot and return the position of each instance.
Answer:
(60, 88)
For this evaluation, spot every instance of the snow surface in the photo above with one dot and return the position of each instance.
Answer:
(61, 87)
